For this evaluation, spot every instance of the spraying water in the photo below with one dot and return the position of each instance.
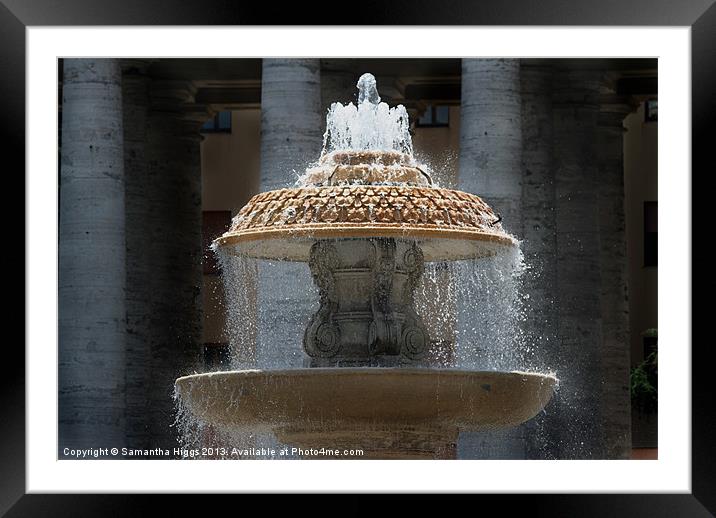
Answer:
(372, 125)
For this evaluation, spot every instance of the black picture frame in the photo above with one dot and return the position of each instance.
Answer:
(700, 15)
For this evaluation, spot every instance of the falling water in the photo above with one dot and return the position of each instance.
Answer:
(475, 308)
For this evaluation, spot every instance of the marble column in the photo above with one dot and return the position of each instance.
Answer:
(615, 397)
(291, 137)
(91, 298)
(490, 166)
(578, 427)
(171, 195)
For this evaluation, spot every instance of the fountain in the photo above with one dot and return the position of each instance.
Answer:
(367, 218)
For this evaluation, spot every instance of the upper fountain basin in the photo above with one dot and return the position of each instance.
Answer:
(447, 224)
(365, 194)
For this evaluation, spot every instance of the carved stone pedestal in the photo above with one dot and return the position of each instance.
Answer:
(366, 315)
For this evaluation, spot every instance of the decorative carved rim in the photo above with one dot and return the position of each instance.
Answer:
(440, 218)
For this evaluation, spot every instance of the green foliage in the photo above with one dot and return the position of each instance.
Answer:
(644, 383)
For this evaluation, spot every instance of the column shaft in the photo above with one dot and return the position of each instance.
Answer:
(491, 135)
(172, 193)
(91, 257)
(490, 166)
(291, 134)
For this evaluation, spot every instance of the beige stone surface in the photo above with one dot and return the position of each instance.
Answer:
(366, 167)
(390, 413)
(448, 224)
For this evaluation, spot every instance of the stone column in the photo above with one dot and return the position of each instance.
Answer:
(490, 166)
(491, 136)
(615, 397)
(290, 138)
(578, 428)
(91, 305)
(290, 119)
(135, 101)
(538, 245)
(171, 199)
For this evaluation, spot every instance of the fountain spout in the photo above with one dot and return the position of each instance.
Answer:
(368, 89)
(371, 125)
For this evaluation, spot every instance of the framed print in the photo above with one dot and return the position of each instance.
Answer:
(257, 254)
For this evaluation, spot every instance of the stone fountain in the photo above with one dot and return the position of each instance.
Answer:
(366, 219)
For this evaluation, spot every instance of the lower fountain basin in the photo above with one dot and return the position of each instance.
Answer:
(387, 412)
